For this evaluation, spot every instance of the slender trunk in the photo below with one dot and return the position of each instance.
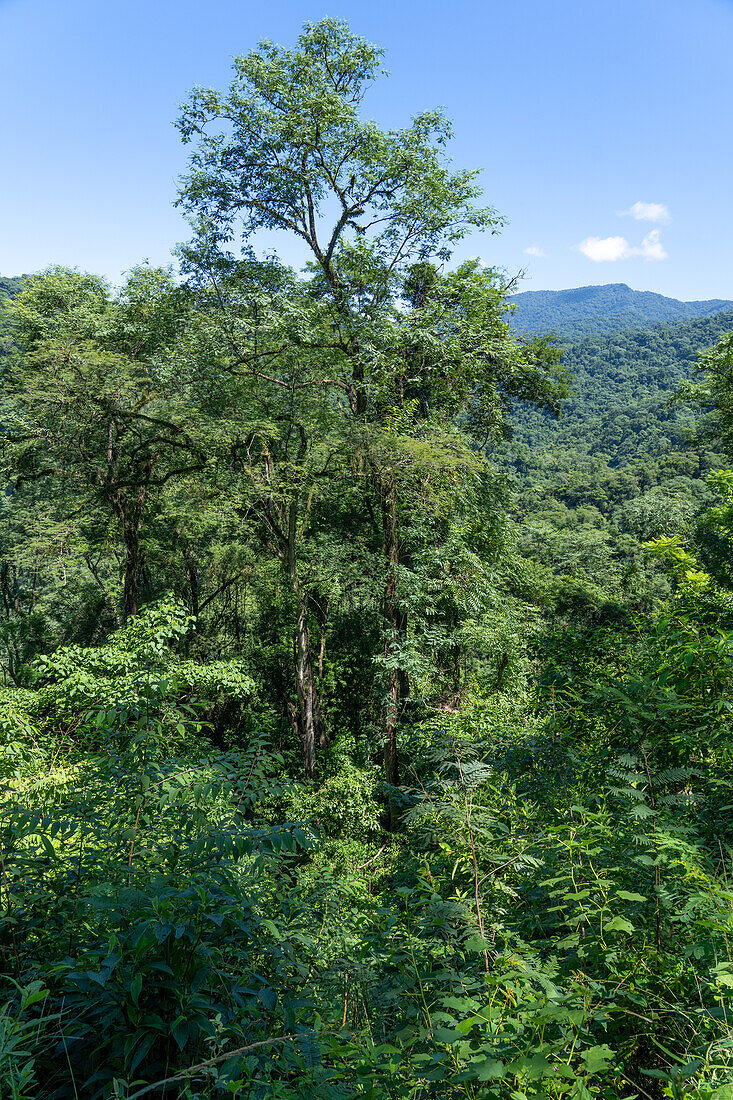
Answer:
(291, 712)
(132, 562)
(403, 676)
(306, 693)
(286, 526)
(501, 669)
(130, 514)
(193, 587)
(304, 679)
(189, 565)
(391, 622)
(322, 731)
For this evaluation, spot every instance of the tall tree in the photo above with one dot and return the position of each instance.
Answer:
(404, 349)
(93, 402)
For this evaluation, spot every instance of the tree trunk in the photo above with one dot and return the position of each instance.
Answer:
(193, 587)
(391, 622)
(305, 683)
(130, 515)
(306, 693)
(324, 739)
(132, 561)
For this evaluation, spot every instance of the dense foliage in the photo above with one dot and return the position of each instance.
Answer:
(622, 406)
(9, 287)
(628, 461)
(349, 748)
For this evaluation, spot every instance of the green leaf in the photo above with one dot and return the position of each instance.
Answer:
(598, 1058)
(486, 1069)
(179, 1031)
(461, 1004)
(724, 978)
(268, 997)
(48, 846)
(619, 924)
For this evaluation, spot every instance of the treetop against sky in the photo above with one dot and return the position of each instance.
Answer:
(602, 130)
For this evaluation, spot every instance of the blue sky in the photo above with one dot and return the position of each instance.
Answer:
(602, 127)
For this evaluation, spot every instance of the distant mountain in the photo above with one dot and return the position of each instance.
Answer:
(9, 287)
(601, 310)
(623, 385)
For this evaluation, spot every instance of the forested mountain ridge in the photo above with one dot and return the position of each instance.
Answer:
(624, 463)
(597, 310)
(9, 287)
(623, 384)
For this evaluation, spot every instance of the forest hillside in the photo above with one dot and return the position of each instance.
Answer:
(9, 287)
(623, 403)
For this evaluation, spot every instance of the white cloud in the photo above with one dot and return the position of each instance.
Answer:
(652, 247)
(535, 250)
(610, 249)
(649, 212)
(601, 249)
